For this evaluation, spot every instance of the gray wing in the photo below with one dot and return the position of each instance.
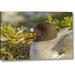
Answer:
(65, 45)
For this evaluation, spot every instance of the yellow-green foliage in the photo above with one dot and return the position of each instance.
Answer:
(49, 17)
(12, 48)
(63, 21)
(8, 29)
(68, 21)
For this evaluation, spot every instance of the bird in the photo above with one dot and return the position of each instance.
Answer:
(51, 48)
